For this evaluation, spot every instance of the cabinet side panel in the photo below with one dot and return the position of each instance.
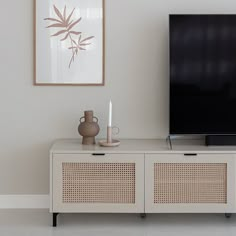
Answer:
(51, 182)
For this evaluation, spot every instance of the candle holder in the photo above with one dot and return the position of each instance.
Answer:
(109, 134)
(109, 142)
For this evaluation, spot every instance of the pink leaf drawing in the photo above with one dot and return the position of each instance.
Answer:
(67, 35)
(67, 23)
(86, 39)
(58, 13)
(53, 19)
(75, 23)
(68, 19)
(85, 44)
(56, 25)
(76, 33)
(64, 15)
(60, 32)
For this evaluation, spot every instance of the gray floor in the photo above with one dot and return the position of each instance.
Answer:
(38, 222)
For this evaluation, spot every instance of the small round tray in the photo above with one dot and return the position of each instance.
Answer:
(104, 143)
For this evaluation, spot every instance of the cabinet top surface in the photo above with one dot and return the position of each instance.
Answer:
(140, 146)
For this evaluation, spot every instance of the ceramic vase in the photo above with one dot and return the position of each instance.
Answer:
(88, 128)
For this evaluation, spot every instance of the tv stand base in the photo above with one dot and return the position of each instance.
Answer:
(220, 140)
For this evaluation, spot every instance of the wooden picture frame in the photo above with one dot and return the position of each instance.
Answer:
(69, 43)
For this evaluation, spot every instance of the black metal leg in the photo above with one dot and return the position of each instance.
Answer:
(143, 215)
(228, 215)
(54, 219)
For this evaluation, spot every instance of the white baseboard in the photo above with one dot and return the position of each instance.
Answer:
(24, 201)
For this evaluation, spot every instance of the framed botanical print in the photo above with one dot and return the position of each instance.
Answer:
(69, 42)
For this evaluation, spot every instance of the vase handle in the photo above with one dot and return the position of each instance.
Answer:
(95, 119)
(81, 119)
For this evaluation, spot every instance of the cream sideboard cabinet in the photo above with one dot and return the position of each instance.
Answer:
(141, 176)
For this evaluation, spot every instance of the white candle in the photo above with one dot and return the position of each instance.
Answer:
(110, 115)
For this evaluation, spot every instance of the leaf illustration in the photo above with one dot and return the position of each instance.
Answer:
(64, 15)
(70, 22)
(74, 32)
(86, 39)
(56, 25)
(53, 19)
(85, 44)
(58, 13)
(60, 32)
(67, 35)
(76, 22)
(63, 21)
(67, 24)
(68, 19)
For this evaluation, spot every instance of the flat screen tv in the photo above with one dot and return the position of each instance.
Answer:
(202, 74)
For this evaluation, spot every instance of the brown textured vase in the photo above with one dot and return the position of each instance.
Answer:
(88, 129)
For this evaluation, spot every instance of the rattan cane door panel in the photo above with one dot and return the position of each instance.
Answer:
(189, 184)
(84, 183)
(184, 183)
(98, 183)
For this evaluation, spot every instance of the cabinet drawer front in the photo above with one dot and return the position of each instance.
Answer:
(110, 183)
(185, 184)
(176, 183)
(98, 183)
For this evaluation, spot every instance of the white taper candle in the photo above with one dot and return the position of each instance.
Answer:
(110, 115)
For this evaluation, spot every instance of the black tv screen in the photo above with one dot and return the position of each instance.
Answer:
(202, 74)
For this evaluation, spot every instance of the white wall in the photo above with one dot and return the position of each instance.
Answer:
(136, 80)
